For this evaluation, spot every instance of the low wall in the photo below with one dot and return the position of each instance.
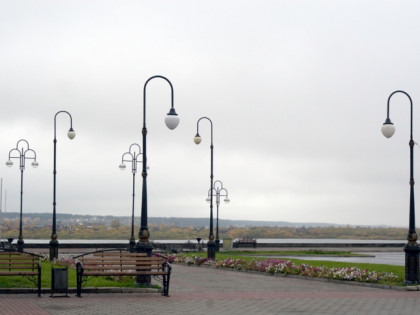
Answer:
(203, 244)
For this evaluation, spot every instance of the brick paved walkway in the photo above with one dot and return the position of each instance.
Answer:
(200, 290)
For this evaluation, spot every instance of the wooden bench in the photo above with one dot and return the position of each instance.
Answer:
(121, 263)
(21, 264)
(245, 242)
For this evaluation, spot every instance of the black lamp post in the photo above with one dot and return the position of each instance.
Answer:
(211, 245)
(171, 121)
(411, 248)
(22, 151)
(71, 134)
(132, 158)
(217, 191)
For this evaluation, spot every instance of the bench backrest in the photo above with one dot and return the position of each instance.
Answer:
(16, 261)
(121, 261)
(247, 240)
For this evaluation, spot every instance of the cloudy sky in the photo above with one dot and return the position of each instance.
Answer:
(296, 90)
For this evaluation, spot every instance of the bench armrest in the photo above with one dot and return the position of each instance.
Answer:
(79, 267)
(167, 267)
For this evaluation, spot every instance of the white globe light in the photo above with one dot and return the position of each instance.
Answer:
(208, 199)
(388, 130)
(227, 200)
(35, 164)
(122, 166)
(71, 134)
(197, 139)
(9, 163)
(172, 121)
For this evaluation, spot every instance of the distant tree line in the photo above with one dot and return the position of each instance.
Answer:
(117, 230)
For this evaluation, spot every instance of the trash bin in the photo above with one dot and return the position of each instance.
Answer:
(227, 244)
(59, 281)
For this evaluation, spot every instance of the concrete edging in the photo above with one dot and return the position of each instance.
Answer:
(84, 290)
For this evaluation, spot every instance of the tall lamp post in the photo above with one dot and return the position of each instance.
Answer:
(171, 121)
(71, 134)
(217, 191)
(131, 157)
(22, 149)
(411, 249)
(211, 245)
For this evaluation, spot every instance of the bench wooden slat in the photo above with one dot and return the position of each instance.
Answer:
(120, 254)
(3, 258)
(16, 268)
(125, 263)
(18, 263)
(123, 269)
(18, 273)
(108, 273)
(113, 258)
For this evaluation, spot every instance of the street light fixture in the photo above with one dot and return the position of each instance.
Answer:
(71, 134)
(171, 121)
(411, 249)
(131, 157)
(211, 245)
(217, 191)
(22, 150)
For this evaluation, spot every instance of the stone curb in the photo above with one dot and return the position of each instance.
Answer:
(354, 283)
(84, 290)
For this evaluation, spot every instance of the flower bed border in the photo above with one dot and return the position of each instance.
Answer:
(203, 262)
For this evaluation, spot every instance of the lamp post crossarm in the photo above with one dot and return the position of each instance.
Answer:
(211, 130)
(133, 160)
(411, 110)
(55, 122)
(144, 95)
(22, 153)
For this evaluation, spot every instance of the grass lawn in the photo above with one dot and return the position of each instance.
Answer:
(309, 252)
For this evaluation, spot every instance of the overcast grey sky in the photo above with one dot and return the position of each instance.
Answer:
(296, 90)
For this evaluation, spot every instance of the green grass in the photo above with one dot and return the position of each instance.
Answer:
(23, 282)
(316, 252)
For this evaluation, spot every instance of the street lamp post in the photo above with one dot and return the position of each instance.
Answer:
(171, 121)
(211, 245)
(22, 150)
(217, 191)
(132, 156)
(71, 134)
(411, 249)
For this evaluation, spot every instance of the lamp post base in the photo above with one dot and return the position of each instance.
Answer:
(211, 249)
(411, 263)
(217, 245)
(20, 244)
(53, 249)
(143, 247)
(132, 246)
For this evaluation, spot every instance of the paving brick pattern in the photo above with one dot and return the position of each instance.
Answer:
(200, 290)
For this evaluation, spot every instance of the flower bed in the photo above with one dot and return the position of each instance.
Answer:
(286, 267)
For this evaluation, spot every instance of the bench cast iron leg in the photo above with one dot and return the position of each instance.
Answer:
(79, 280)
(39, 280)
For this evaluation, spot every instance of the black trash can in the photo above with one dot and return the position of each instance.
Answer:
(59, 281)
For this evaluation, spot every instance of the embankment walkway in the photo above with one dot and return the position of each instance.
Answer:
(201, 290)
